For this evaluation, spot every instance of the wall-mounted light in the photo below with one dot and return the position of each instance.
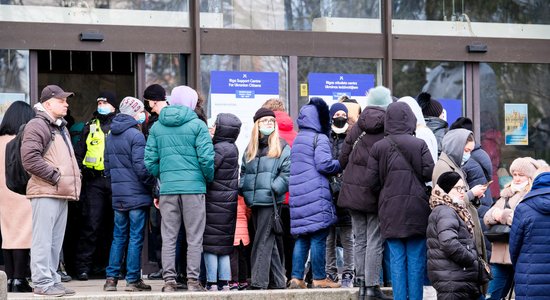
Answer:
(477, 48)
(91, 37)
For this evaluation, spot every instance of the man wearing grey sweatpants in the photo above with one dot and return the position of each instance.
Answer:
(48, 155)
(179, 151)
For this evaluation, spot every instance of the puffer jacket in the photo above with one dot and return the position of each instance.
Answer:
(355, 193)
(501, 251)
(241, 227)
(403, 204)
(337, 141)
(439, 127)
(311, 206)
(529, 240)
(265, 177)
(452, 256)
(47, 154)
(221, 197)
(131, 183)
(179, 151)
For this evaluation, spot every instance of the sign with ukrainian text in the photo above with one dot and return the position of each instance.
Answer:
(242, 94)
(516, 124)
(331, 86)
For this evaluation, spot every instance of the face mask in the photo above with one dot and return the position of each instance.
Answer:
(339, 122)
(102, 110)
(141, 118)
(465, 157)
(267, 131)
(519, 187)
(457, 201)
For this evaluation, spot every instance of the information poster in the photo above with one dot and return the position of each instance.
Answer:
(516, 124)
(330, 86)
(453, 107)
(242, 94)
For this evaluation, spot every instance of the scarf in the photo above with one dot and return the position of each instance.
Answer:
(439, 197)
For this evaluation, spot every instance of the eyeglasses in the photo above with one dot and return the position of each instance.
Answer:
(267, 121)
(459, 189)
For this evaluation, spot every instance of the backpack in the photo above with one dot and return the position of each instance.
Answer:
(16, 175)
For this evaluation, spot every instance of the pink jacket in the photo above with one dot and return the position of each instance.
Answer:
(241, 230)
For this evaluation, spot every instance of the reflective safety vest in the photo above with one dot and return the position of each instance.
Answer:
(95, 147)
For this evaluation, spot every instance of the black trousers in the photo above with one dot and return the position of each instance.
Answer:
(97, 225)
(239, 263)
(17, 263)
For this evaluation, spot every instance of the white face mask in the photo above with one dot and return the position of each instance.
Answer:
(457, 200)
(519, 187)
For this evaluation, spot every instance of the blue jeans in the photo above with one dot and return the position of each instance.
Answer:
(217, 267)
(317, 241)
(408, 265)
(127, 224)
(503, 276)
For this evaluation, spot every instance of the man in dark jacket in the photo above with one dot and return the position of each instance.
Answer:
(368, 250)
(96, 211)
(398, 167)
(221, 203)
(132, 187)
(529, 240)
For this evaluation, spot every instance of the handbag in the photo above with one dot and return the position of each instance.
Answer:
(427, 188)
(499, 232)
(276, 219)
(484, 272)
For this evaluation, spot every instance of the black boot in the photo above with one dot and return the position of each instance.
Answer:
(375, 293)
(21, 286)
(10, 282)
(362, 289)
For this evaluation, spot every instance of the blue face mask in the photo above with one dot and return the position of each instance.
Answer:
(102, 110)
(465, 157)
(267, 131)
(141, 118)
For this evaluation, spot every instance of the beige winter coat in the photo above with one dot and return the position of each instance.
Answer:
(501, 251)
(15, 209)
(53, 166)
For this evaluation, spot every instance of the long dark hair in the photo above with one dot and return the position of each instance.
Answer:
(18, 113)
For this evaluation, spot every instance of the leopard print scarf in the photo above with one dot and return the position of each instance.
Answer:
(439, 197)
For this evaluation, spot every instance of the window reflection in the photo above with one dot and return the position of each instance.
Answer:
(317, 15)
(14, 77)
(168, 70)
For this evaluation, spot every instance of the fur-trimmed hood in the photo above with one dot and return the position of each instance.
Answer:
(315, 116)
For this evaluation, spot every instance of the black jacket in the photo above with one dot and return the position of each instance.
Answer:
(452, 256)
(403, 207)
(221, 195)
(355, 193)
(337, 141)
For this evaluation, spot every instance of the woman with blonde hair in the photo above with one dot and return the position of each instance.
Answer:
(523, 170)
(264, 176)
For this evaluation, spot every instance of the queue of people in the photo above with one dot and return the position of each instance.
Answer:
(381, 182)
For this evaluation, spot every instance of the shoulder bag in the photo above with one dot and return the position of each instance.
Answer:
(499, 232)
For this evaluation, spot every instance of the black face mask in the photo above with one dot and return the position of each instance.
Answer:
(339, 122)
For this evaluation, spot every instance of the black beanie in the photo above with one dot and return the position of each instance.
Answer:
(448, 180)
(430, 107)
(154, 92)
(462, 122)
(110, 97)
(263, 112)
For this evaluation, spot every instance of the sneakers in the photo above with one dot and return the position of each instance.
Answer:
(375, 293)
(110, 284)
(193, 285)
(347, 280)
(52, 291)
(137, 286)
(212, 288)
(325, 283)
(82, 276)
(295, 283)
(243, 286)
(234, 286)
(170, 286)
(226, 288)
(68, 291)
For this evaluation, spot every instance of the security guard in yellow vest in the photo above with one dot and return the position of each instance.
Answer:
(96, 224)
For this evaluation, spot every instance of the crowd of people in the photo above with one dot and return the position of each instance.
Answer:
(402, 202)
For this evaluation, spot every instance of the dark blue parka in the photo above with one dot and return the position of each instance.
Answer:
(131, 183)
(311, 206)
(221, 194)
(530, 242)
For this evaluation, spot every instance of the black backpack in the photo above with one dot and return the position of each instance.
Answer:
(16, 176)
